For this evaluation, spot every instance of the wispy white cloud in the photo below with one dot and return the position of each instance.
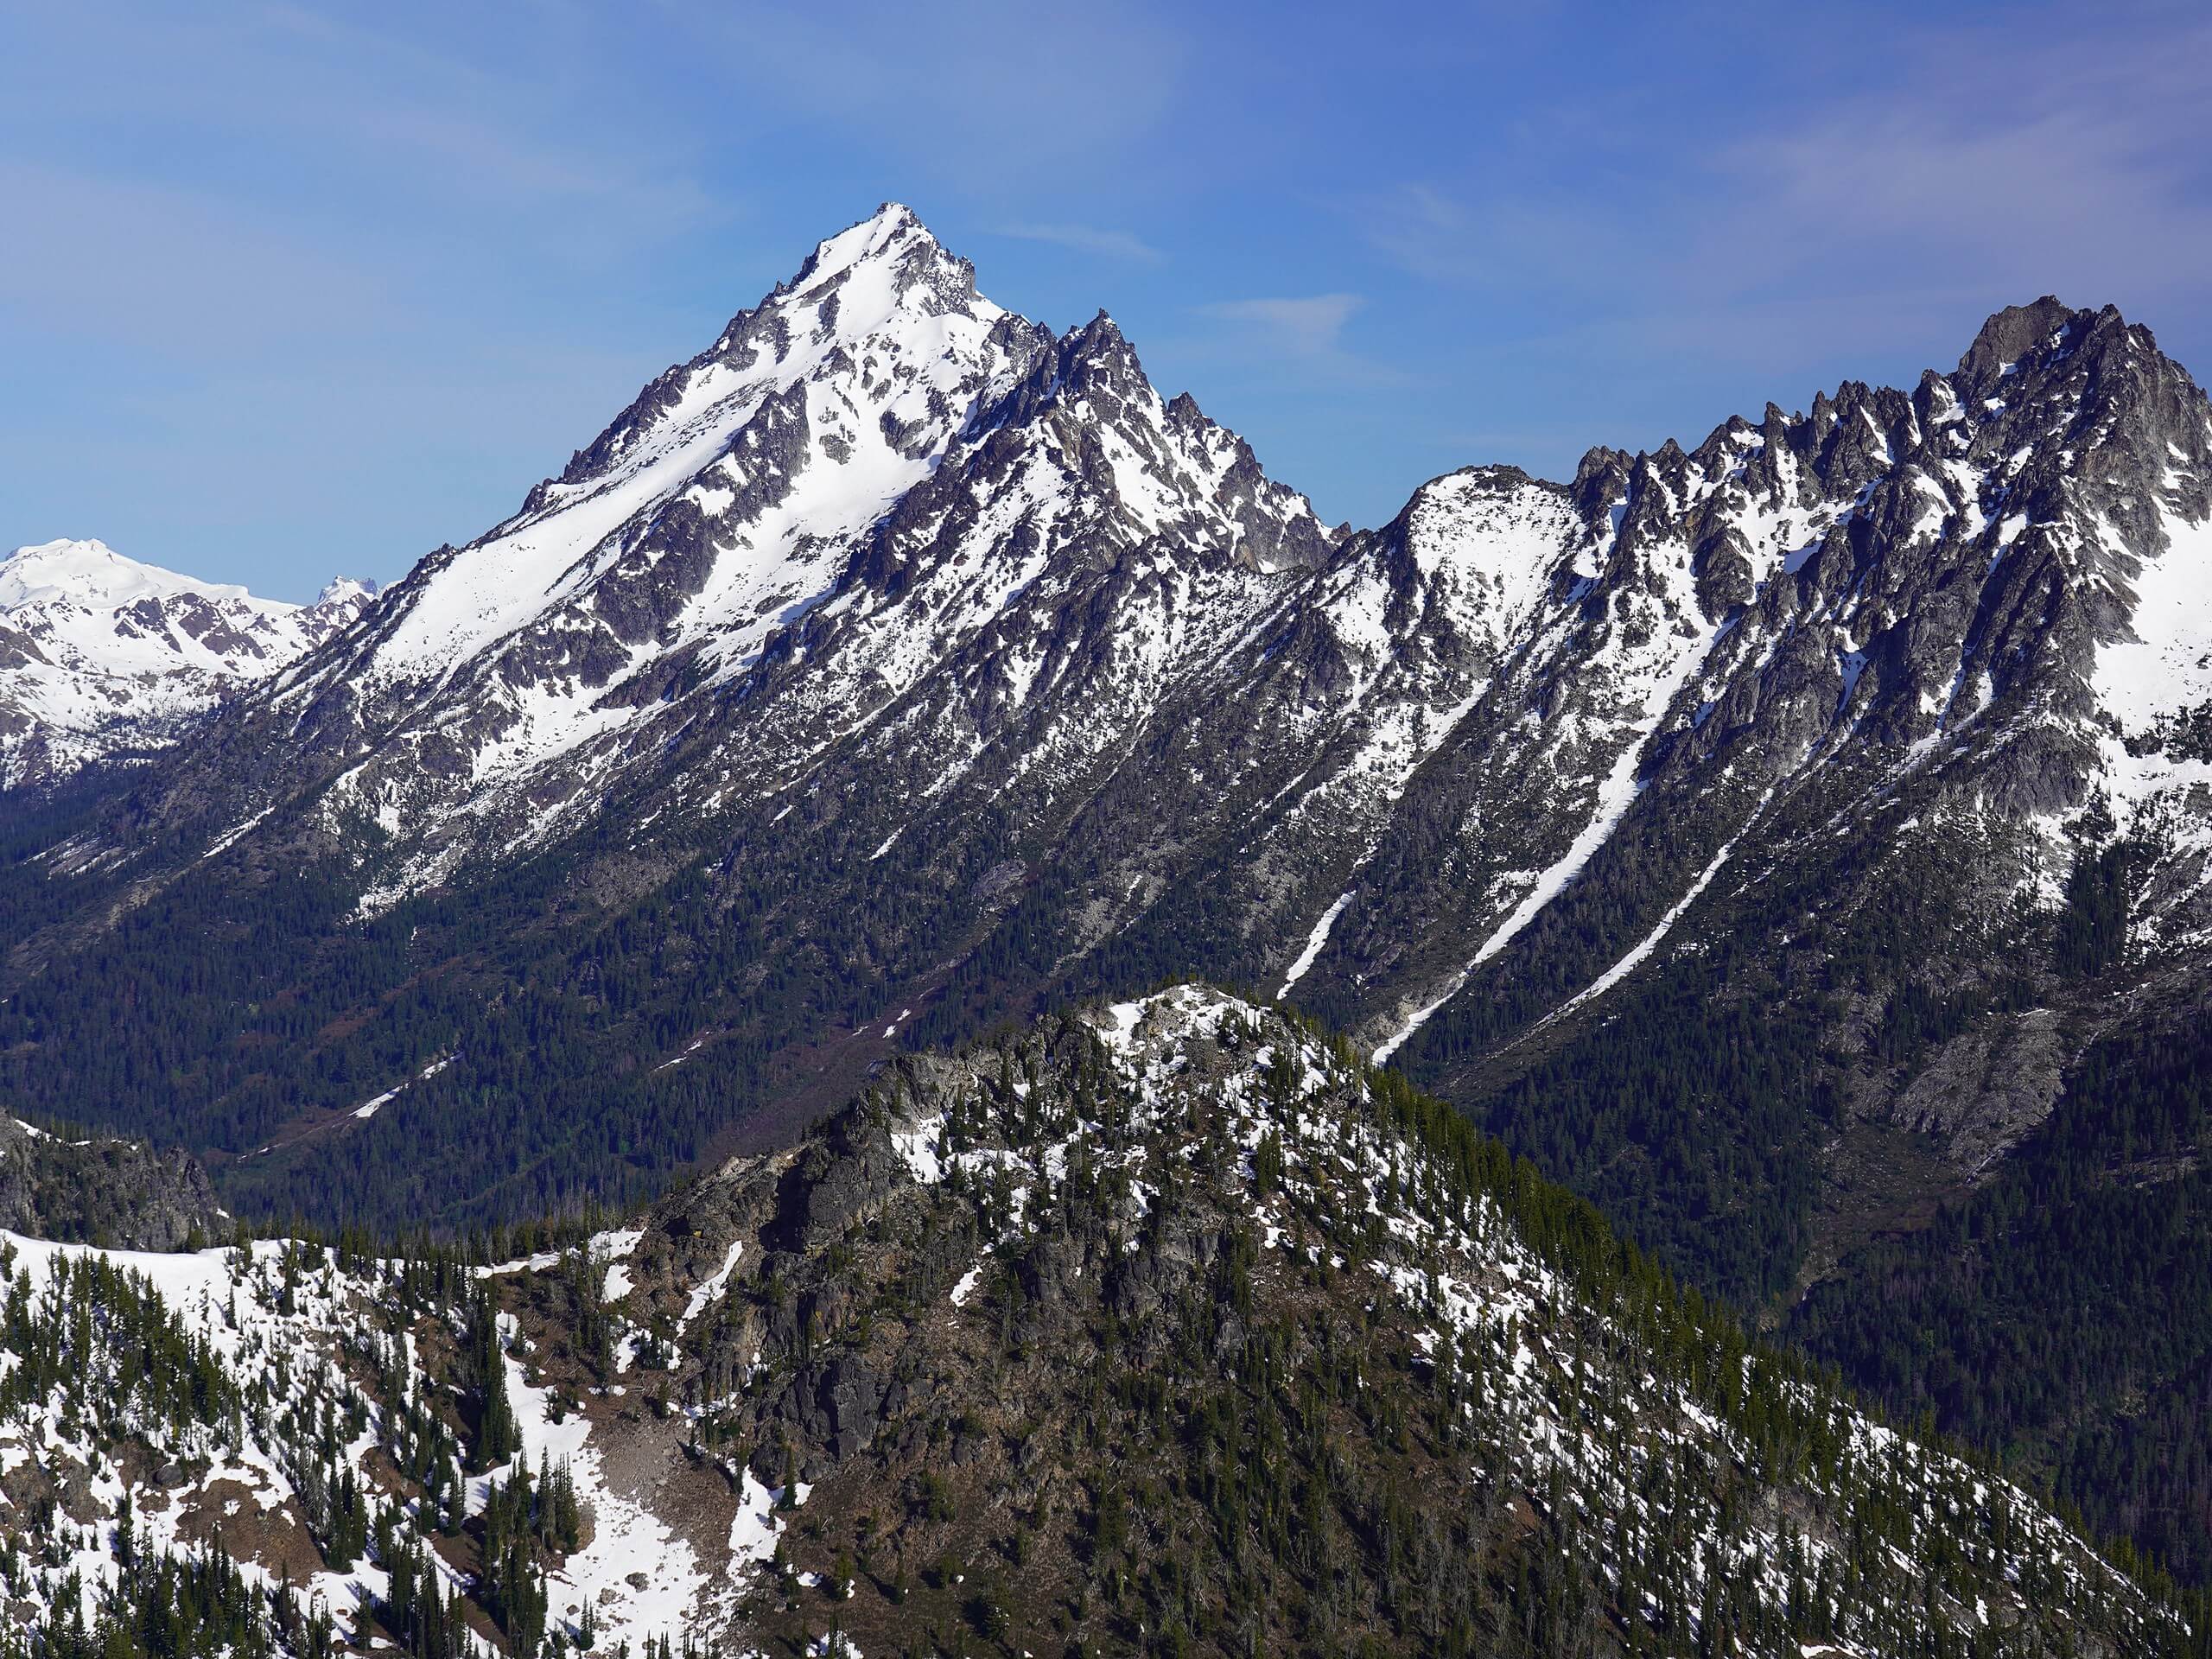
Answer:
(981, 89)
(178, 273)
(1310, 326)
(1647, 272)
(1297, 337)
(1488, 236)
(2002, 161)
(517, 151)
(1088, 238)
(2075, 164)
(1429, 231)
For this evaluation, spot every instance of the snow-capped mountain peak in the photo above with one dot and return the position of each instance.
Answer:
(356, 591)
(874, 442)
(895, 243)
(722, 485)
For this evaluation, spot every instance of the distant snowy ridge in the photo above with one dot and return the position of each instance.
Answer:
(103, 656)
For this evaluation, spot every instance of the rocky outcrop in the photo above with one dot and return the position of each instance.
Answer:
(118, 1194)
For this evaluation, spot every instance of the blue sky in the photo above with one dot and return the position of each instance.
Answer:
(291, 290)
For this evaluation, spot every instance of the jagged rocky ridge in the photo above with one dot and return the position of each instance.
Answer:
(1764, 835)
(1006, 678)
(102, 659)
(1167, 1326)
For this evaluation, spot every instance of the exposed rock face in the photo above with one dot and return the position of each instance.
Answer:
(117, 1194)
(104, 659)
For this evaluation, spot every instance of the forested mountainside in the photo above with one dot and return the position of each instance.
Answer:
(2062, 1312)
(1774, 839)
(104, 660)
(1166, 1327)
